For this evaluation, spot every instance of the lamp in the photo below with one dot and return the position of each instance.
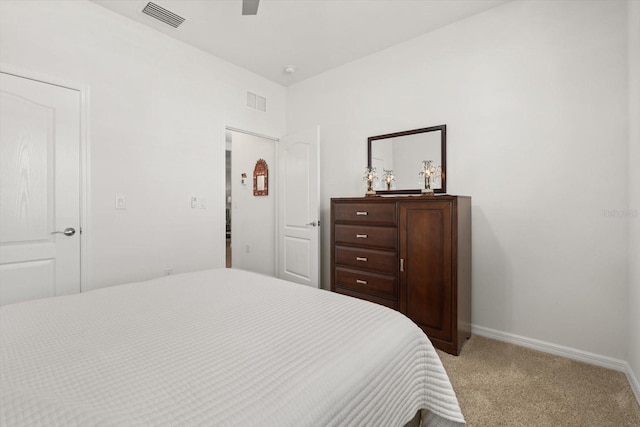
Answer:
(428, 172)
(387, 175)
(370, 176)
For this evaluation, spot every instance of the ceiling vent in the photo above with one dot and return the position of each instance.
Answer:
(162, 14)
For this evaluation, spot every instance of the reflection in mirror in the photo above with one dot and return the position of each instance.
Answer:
(403, 153)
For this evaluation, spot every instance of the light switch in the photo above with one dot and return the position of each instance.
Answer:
(194, 202)
(121, 202)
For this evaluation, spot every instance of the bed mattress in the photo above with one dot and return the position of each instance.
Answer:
(217, 348)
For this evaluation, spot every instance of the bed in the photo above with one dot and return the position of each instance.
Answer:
(218, 347)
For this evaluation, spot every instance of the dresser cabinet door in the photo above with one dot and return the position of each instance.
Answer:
(425, 232)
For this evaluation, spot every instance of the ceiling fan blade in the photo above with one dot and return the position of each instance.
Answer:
(250, 7)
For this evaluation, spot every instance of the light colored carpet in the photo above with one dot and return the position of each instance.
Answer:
(501, 384)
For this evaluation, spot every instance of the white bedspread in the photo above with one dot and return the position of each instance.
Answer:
(216, 348)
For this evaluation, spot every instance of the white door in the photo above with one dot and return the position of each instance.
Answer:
(39, 189)
(299, 208)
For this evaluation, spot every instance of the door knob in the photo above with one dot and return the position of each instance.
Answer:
(69, 231)
(314, 223)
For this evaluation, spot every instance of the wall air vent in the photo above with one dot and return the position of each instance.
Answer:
(162, 14)
(256, 101)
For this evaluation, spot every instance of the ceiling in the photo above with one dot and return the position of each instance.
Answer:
(312, 35)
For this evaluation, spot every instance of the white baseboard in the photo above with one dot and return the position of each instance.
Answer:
(559, 350)
(633, 382)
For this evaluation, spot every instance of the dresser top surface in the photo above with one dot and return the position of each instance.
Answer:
(396, 198)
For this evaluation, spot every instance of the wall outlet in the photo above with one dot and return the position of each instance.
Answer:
(203, 203)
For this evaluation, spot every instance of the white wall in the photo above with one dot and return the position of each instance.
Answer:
(634, 192)
(158, 110)
(253, 220)
(534, 95)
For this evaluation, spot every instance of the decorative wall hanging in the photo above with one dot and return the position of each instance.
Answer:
(261, 178)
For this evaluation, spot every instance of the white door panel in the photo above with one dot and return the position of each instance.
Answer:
(27, 280)
(299, 208)
(39, 189)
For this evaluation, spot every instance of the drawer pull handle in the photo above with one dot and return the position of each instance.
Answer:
(362, 213)
(361, 282)
(361, 236)
(360, 258)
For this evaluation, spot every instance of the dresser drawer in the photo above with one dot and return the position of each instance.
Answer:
(367, 259)
(366, 236)
(369, 283)
(378, 213)
(382, 301)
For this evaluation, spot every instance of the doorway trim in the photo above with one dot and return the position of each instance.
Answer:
(273, 171)
(83, 191)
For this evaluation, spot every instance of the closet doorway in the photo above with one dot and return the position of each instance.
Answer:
(250, 215)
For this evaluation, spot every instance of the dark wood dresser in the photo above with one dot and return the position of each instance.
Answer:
(409, 253)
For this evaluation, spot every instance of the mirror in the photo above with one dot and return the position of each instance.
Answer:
(261, 178)
(404, 152)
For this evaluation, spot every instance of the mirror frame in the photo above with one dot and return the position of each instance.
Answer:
(443, 156)
(261, 170)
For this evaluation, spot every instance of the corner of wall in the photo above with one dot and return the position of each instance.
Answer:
(633, 340)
